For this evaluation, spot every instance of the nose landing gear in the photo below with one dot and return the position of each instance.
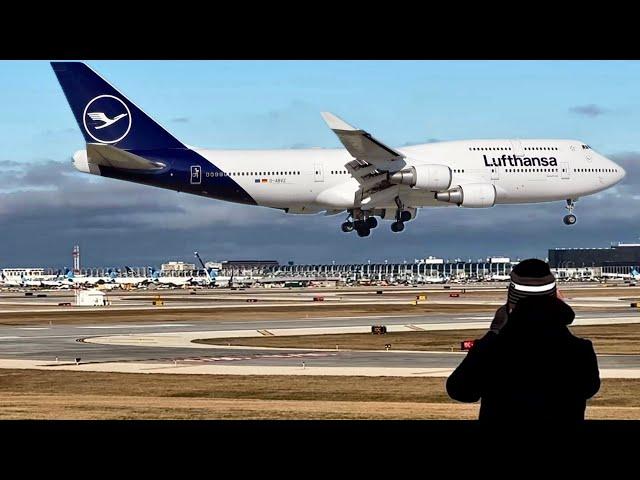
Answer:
(570, 219)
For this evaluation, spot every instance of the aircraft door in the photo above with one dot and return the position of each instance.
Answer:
(564, 170)
(516, 146)
(318, 172)
(495, 173)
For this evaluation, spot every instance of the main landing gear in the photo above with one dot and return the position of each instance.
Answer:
(402, 216)
(570, 219)
(362, 226)
(347, 227)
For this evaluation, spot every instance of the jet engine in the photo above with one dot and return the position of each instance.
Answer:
(474, 195)
(434, 178)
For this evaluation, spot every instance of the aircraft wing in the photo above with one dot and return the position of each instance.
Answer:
(360, 144)
(372, 158)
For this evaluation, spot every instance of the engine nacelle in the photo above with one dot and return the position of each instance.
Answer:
(434, 178)
(474, 195)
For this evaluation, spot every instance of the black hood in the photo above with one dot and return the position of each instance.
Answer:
(539, 314)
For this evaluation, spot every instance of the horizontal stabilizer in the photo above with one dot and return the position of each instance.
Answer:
(110, 156)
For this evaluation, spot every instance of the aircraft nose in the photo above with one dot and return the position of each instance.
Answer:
(621, 172)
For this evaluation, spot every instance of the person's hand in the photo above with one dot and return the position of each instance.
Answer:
(499, 319)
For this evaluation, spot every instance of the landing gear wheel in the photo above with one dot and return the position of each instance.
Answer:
(397, 226)
(571, 218)
(363, 231)
(347, 227)
(405, 216)
(372, 222)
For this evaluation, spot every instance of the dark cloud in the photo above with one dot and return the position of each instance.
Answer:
(9, 163)
(590, 110)
(46, 207)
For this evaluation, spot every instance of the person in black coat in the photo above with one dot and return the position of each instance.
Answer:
(529, 367)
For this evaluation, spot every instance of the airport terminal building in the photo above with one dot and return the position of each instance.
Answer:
(620, 258)
(621, 255)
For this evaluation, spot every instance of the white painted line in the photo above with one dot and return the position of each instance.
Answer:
(33, 328)
(125, 326)
(475, 318)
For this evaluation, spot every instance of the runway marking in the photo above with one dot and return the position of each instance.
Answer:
(413, 327)
(474, 318)
(124, 326)
(259, 356)
(266, 333)
(9, 338)
(357, 316)
(33, 328)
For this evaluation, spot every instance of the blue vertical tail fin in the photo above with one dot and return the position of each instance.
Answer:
(105, 116)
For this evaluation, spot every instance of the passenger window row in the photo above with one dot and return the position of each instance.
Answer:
(590, 170)
(486, 149)
(251, 174)
(523, 170)
(339, 172)
(509, 148)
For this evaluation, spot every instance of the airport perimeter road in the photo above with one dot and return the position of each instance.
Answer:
(65, 342)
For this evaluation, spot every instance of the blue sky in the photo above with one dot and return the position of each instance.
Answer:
(276, 104)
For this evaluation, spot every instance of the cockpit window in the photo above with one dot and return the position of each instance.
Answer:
(586, 147)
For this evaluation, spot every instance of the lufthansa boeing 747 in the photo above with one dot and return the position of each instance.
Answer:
(365, 180)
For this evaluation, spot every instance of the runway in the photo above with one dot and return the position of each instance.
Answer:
(134, 350)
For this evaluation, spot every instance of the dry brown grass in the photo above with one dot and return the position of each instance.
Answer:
(34, 394)
(228, 314)
(607, 339)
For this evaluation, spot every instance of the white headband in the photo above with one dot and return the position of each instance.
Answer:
(528, 288)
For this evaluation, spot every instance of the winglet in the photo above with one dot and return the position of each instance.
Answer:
(336, 123)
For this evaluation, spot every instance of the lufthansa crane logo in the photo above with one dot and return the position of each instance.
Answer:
(107, 119)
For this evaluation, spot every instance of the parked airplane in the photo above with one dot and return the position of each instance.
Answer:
(367, 179)
(495, 277)
(71, 279)
(431, 279)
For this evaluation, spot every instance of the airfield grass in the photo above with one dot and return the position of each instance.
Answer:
(36, 394)
(607, 339)
(177, 315)
(204, 305)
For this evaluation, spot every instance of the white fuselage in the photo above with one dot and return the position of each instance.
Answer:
(308, 181)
